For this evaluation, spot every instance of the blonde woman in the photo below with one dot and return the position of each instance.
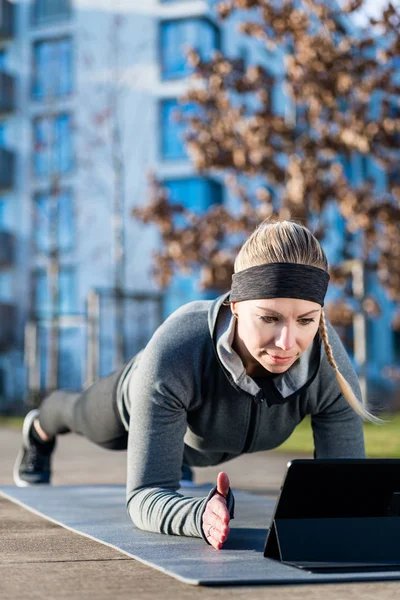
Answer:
(217, 379)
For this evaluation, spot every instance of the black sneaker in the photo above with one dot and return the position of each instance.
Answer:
(187, 479)
(33, 464)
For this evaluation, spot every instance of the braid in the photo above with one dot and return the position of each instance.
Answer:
(323, 331)
(343, 383)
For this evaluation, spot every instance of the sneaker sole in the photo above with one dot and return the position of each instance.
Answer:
(17, 480)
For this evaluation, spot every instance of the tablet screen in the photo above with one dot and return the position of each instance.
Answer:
(340, 488)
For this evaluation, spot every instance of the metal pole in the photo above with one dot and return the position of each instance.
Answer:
(93, 314)
(118, 197)
(360, 324)
(53, 266)
(54, 329)
(32, 358)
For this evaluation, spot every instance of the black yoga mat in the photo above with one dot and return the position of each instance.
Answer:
(99, 513)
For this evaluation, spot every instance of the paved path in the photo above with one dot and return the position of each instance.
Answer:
(41, 560)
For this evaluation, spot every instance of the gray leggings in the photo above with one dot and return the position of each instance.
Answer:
(92, 413)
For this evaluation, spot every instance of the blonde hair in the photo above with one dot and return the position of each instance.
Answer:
(287, 241)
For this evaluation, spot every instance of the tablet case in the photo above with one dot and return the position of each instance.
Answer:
(335, 542)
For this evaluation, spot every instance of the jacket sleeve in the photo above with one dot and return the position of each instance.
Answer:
(162, 388)
(337, 428)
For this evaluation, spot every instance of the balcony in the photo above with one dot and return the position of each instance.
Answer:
(6, 169)
(7, 103)
(6, 19)
(6, 249)
(8, 317)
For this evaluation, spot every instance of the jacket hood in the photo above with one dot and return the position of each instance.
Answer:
(285, 385)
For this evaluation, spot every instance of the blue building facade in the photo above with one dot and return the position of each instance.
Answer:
(71, 74)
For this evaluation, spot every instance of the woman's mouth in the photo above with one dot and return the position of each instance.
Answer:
(280, 359)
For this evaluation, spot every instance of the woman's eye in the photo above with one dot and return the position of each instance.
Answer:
(273, 319)
(269, 319)
(306, 321)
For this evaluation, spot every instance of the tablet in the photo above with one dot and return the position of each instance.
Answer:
(338, 514)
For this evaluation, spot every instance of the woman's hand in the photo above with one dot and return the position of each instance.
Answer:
(216, 516)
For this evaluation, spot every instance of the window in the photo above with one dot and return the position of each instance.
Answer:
(396, 346)
(67, 284)
(50, 211)
(393, 178)
(50, 11)
(346, 334)
(7, 91)
(70, 357)
(2, 135)
(243, 54)
(197, 195)
(42, 294)
(70, 346)
(66, 289)
(5, 286)
(194, 193)
(393, 175)
(5, 203)
(3, 60)
(347, 164)
(175, 35)
(172, 131)
(2, 214)
(52, 69)
(394, 113)
(52, 145)
(7, 17)
(364, 166)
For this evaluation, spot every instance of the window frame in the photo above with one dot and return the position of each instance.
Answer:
(3, 134)
(54, 150)
(162, 154)
(3, 60)
(216, 187)
(36, 219)
(46, 314)
(199, 19)
(34, 70)
(179, 283)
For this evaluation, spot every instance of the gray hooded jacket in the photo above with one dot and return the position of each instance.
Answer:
(186, 398)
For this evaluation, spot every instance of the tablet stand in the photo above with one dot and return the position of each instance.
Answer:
(367, 541)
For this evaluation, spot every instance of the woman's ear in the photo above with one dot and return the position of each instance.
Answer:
(233, 305)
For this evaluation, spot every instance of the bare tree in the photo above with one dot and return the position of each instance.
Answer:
(332, 77)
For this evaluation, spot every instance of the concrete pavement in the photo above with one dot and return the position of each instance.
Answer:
(41, 560)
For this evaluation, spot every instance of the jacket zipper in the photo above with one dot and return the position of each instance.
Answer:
(252, 423)
(256, 400)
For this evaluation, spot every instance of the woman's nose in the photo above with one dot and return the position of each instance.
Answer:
(286, 339)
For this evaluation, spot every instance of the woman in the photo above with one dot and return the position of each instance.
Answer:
(217, 379)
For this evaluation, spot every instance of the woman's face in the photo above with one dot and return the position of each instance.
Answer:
(271, 334)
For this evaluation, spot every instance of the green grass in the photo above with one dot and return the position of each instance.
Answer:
(14, 422)
(381, 441)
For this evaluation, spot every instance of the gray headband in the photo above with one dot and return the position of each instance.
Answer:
(280, 280)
